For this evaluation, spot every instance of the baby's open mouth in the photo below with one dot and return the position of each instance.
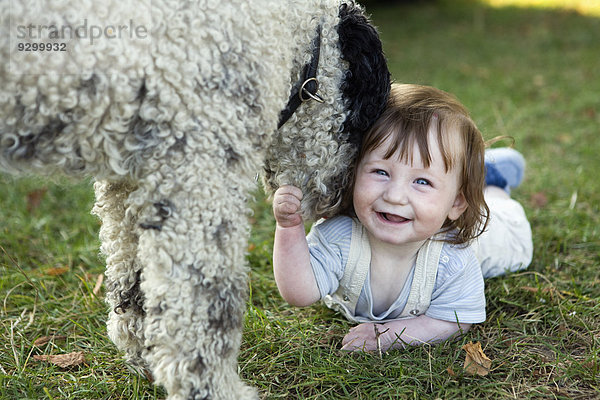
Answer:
(392, 217)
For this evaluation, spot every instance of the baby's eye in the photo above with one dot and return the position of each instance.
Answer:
(380, 172)
(421, 181)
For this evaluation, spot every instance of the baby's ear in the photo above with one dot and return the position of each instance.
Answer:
(459, 207)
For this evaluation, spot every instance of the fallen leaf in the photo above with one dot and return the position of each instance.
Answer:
(56, 271)
(538, 80)
(98, 285)
(44, 340)
(550, 290)
(590, 365)
(451, 372)
(476, 362)
(536, 290)
(148, 375)
(565, 138)
(34, 199)
(590, 112)
(63, 360)
(539, 199)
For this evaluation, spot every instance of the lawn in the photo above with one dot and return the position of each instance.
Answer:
(524, 71)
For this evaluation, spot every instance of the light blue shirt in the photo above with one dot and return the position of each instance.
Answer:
(458, 293)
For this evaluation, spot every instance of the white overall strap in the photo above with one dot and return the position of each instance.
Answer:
(357, 267)
(428, 259)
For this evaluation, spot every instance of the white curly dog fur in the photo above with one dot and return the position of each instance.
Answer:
(173, 107)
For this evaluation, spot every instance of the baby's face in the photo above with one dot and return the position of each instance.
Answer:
(399, 201)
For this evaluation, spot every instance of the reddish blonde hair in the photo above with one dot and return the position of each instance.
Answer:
(410, 111)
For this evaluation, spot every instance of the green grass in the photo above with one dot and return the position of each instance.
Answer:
(525, 72)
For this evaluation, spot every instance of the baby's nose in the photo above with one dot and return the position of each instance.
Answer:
(396, 193)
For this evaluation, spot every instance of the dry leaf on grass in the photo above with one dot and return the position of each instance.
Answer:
(551, 290)
(63, 360)
(44, 340)
(57, 271)
(538, 200)
(476, 362)
(34, 199)
(98, 285)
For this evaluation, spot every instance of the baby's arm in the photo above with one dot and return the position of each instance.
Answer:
(399, 334)
(291, 258)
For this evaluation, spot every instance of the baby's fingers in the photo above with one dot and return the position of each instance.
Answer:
(289, 190)
(359, 344)
(360, 338)
(287, 206)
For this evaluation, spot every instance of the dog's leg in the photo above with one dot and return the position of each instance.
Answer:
(119, 245)
(194, 282)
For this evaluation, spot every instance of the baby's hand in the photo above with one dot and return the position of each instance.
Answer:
(373, 337)
(361, 338)
(286, 206)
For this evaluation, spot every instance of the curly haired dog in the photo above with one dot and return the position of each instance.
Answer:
(173, 106)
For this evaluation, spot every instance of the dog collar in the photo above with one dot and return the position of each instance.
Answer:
(307, 87)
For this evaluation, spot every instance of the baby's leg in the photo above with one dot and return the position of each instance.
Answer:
(506, 245)
(495, 192)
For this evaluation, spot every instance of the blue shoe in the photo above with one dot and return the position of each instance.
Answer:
(493, 177)
(506, 162)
